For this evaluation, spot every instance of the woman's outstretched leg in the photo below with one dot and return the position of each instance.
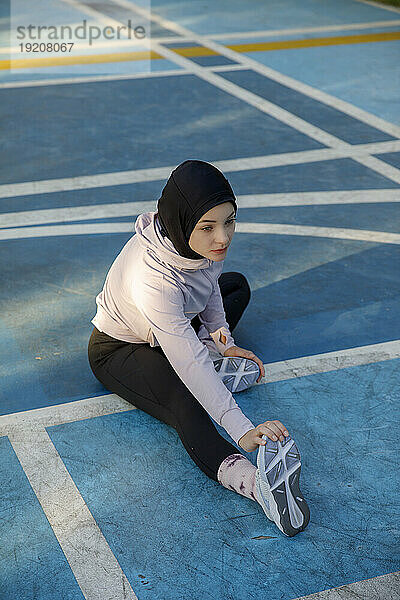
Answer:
(125, 369)
(128, 370)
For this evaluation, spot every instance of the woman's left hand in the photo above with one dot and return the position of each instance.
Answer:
(236, 351)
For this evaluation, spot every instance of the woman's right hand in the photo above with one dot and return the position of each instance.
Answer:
(253, 438)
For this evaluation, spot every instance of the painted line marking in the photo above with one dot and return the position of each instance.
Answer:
(82, 59)
(109, 404)
(245, 62)
(120, 77)
(81, 182)
(263, 105)
(319, 198)
(377, 237)
(93, 564)
(233, 89)
(219, 82)
(380, 5)
(278, 32)
(388, 585)
(316, 133)
(252, 99)
(132, 209)
(46, 186)
(117, 43)
(290, 82)
(237, 34)
(194, 51)
(373, 196)
(310, 42)
(330, 361)
(68, 412)
(379, 166)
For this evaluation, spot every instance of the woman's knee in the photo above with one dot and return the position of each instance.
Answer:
(233, 279)
(245, 286)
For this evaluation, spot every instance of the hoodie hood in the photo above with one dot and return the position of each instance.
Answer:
(149, 235)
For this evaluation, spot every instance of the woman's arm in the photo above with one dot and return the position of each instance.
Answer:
(213, 318)
(161, 303)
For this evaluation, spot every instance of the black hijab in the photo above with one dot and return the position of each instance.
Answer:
(192, 189)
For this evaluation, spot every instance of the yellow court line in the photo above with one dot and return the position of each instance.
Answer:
(192, 51)
(53, 61)
(287, 44)
(386, 36)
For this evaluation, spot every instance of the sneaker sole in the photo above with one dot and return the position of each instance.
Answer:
(237, 373)
(279, 467)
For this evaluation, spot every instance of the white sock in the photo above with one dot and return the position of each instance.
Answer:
(238, 474)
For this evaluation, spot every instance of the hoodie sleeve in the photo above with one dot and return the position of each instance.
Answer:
(161, 303)
(214, 319)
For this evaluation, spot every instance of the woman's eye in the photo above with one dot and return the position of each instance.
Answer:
(209, 226)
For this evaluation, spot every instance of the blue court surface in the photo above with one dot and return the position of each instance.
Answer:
(297, 103)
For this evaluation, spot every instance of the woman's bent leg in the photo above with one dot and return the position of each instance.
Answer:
(235, 292)
(128, 370)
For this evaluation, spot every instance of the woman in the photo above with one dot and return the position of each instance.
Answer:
(161, 317)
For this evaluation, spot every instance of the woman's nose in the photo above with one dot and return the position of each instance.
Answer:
(223, 240)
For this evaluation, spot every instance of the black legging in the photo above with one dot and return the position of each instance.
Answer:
(128, 370)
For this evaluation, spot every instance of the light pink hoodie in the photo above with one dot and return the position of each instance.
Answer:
(150, 294)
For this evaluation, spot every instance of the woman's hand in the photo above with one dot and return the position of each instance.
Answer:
(236, 351)
(253, 438)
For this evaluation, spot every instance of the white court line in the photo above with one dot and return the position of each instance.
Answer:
(367, 589)
(273, 109)
(319, 198)
(233, 35)
(250, 98)
(364, 235)
(379, 166)
(378, 237)
(47, 186)
(83, 182)
(68, 412)
(383, 168)
(93, 564)
(235, 90)
(91, 78)
(283, 370)
(253, 99)
(379, 5)
(278, 32)
(330, 361)
(290, 82)
(218, 81)
(132, 209)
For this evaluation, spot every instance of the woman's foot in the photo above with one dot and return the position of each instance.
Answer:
(277, 485)
(237, 373)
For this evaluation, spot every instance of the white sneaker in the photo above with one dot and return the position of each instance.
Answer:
(237, 373)
(277, 485)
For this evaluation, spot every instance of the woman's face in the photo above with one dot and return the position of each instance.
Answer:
(214, 231)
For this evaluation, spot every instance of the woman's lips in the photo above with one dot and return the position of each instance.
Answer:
(220, 251)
